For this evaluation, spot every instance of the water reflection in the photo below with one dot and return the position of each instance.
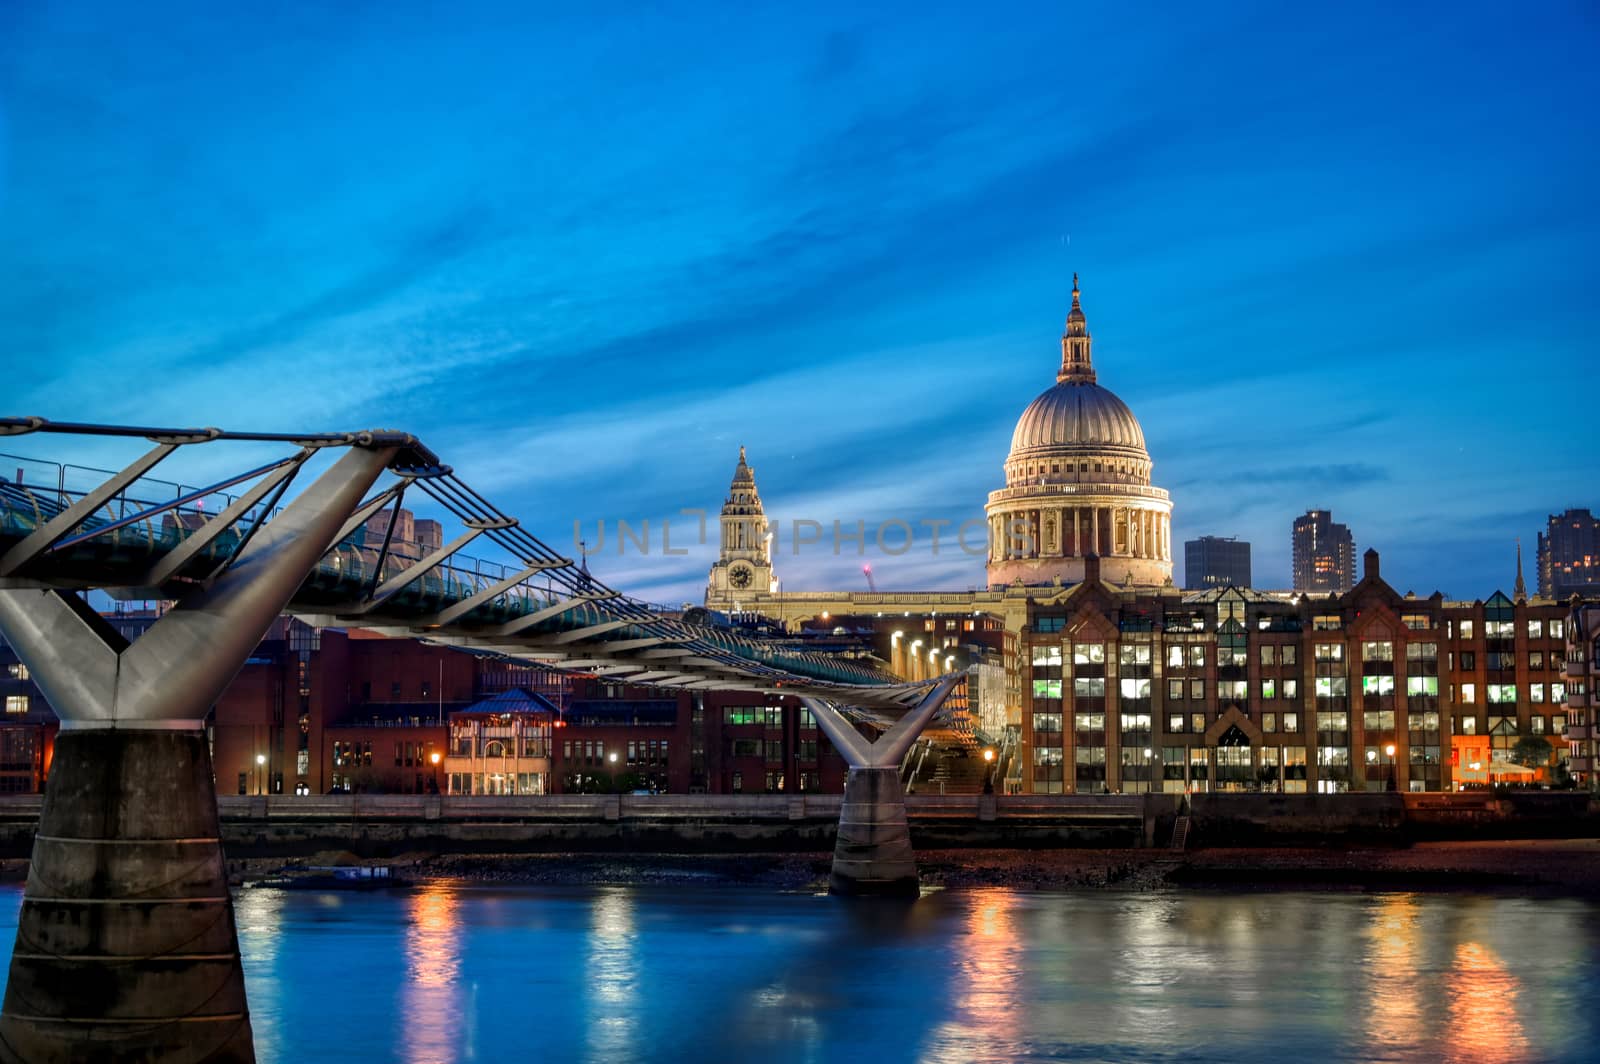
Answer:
(612, 977)
(987, 987)
(1395, 1019)
(256, 914)
(1484, 1026)
(668, 975)
(431, 1015)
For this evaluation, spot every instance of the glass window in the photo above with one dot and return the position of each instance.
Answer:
(1379, 651)
(1288, 654)
(1175, 657)
(1535, 659)
(1416, 621)
(1269, 689)
(1469, 694)
(1291, 689)
(1535, 629)
(1269, 722)
(1047, 688)
(1330, 651)
(1089, 687)
(1137, 654)
(1175, 722)
(1197, 690)
(1422, 651)
(1046, 722)
(1291, 722)
(1269, 654)
(1377, 685)
(1558, 692)
(1536, 693)
(1230, 690)
(1558, 629)
(1197, 722)
(16, 703)
(1089, 654)
(1466, 629)
(1175, 690)
(1422, 685)
(1135, 689)
(1197, 657)
(1047, 655)
(1502, 693)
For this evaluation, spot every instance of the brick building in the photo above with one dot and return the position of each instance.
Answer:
(1131, 690)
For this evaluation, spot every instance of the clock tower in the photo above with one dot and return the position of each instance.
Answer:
(744, 566)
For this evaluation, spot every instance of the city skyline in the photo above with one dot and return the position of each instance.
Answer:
(595, 282)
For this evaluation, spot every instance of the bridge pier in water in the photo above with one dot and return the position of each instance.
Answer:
(872, 853)
(126, 946)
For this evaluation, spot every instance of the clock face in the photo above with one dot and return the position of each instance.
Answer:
(740, 576)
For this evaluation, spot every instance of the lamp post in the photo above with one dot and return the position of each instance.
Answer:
(435, 757)
(1394, 784)
(1149, 770)
(261, 760)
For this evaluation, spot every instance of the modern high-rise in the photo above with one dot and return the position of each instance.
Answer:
(1324, 554)
(1216, 561)
(1569, 555)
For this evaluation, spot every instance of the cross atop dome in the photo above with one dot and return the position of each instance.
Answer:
(1076, 365)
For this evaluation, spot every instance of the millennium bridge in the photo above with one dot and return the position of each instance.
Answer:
(126, 945)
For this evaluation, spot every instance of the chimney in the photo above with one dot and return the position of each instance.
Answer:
(1369, 562)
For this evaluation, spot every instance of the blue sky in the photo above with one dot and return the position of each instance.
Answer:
(1337, 257)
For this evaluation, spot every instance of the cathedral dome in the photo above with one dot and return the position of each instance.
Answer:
(1078, 484)
(1077, 415)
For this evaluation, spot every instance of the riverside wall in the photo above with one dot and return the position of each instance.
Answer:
(387, 825)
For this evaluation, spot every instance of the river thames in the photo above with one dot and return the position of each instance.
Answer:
(459, 972)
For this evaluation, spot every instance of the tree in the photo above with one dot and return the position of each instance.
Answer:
(1532, 751)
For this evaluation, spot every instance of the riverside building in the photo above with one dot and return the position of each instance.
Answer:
(1113, 679)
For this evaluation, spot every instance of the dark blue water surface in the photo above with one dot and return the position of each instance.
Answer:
(610, 974)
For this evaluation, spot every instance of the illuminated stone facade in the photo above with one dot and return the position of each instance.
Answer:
(1078, 484)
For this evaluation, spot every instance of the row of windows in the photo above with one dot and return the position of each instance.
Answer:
(1046, 724)
(1506, 693)
(767, 716)
(1536, 629)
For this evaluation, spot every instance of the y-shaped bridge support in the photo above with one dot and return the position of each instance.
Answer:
(126, 947)
(872, 853)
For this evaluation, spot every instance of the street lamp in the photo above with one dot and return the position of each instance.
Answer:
(435, 757)
(261, 760)
(1149, 777)
(1393, 782)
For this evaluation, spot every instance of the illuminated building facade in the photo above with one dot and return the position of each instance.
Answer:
(1077, 484)
(1569, 555)
(1581, 671)
(1233, 689)
(1323, 554)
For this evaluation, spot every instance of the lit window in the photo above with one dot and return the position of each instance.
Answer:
(16, 703)
(1469, 694)
(18, 671)
(1535, 629)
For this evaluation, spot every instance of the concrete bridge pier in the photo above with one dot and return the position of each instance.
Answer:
(872, 853)
(126, 947)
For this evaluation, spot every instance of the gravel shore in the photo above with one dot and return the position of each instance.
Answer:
(1547, 867)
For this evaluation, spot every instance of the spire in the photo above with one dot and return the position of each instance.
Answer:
(1076, 366)
(1520, 592)
(742, 496)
